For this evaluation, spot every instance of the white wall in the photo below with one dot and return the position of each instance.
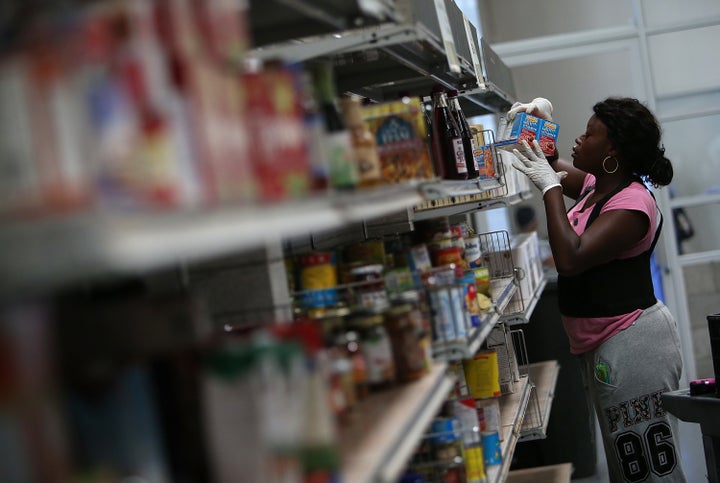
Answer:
(664, 52)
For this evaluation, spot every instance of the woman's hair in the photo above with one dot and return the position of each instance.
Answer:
(635, 134)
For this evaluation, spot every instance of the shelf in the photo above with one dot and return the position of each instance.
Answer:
(501, 291)
(524, 318)
(388, 427)
(560, 473)
(277, 21)
(384, 54)
(512, 411)
(448, 198)
(41, 255)
(543, 376)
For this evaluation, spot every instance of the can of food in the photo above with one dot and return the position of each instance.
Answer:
(445, 252)
(447, 306)
(318, 279)
(482, 374)
(473, 254)
(370, 251)
(471, 301)
(474, 462)
(459, 230)
(492, 452)
(488, 414)
(418, 257)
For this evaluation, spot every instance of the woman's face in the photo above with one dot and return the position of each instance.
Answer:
(591, 147)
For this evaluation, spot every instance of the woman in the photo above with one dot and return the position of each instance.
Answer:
(626, 340)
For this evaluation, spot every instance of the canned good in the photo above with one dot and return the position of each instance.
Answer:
(471, 301)
(482, 374)
(492, 453)
(371, 251)
(474, 463)
(488, 414)
(473, 254)
(443, 316)
(446, 252)
(318, 279)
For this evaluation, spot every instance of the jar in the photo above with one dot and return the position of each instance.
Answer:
(446, 440)
(410, 342)
(331, 321)
(369, 291)
(376, 350)
(348, 340)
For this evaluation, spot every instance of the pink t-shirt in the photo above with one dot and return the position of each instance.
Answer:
(585, 333)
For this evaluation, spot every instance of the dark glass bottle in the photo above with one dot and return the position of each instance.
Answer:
(465, 134)
(448, 150)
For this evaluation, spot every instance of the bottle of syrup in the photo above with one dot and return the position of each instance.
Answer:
(447, 143)
(465, 134)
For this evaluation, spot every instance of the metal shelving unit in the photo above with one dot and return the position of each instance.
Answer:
(543, 377)
(385, 53)
(383, 50)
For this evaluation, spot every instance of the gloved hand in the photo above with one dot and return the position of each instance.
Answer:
(538, 107)
(535, 167)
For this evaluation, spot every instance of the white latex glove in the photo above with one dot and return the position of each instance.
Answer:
(538, 107)
(534, 165)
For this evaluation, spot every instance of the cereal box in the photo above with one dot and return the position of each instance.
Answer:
(401, 134)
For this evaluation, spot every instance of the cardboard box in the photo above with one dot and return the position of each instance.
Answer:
(527, 128)
(526, 257)
(400, 131)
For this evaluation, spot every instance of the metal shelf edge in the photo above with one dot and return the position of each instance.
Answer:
(498, 473)
(380, 452)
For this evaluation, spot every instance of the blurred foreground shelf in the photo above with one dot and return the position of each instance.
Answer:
(386, 428)
(41, 255)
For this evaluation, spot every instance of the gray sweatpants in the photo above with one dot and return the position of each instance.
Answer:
(624, 379)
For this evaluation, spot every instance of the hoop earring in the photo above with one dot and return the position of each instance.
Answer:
(617, 164)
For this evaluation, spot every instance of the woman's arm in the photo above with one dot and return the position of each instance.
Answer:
(572, 184)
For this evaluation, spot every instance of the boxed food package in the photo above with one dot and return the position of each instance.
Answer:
(483, 152)
(526, 257)
(401, 134)
(273, 116)
(527, 128)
